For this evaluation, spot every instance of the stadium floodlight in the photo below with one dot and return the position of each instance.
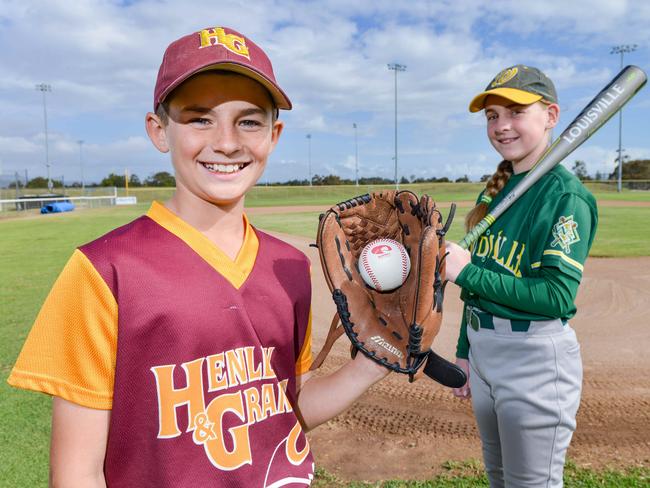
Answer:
(43, 88)
(356, 155)
(621, 49)
(81, 166)
(309, 157)
(396, 67)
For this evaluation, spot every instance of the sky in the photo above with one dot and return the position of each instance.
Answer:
(331, 57)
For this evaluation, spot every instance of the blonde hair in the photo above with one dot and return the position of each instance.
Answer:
(492, 188)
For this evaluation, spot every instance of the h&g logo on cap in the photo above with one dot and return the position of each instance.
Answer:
(218, 37)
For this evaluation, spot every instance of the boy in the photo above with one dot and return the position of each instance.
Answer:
(177, 347)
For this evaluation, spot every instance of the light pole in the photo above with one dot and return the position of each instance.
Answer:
(621, 49)
(356, 155)
(396, 67)
(81, 165)
(43, 87)
(309, 157)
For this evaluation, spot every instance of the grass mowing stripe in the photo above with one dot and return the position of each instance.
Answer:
(306, 223)
(622, 232)
(265, 196)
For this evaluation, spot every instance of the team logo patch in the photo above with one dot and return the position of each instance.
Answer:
(505, 76)
(218, 37)
(565, 233)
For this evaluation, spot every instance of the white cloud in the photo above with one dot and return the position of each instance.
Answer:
(17, 145)
(101, 58)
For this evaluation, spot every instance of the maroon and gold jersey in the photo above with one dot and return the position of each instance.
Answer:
(195, 354)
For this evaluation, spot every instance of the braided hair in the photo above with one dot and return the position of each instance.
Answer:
(494, 185)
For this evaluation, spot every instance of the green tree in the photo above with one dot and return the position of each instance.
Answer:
(637, 169)
(162, 178)
(375, 180)
(614, 174)
(580, 170)
(113, 180)
(40, 182)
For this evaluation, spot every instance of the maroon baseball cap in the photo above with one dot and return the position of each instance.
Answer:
(216, 48)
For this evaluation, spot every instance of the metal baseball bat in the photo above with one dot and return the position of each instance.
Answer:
(609, 101)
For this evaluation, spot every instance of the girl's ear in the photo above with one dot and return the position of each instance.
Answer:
(156, 132)
(553, 115)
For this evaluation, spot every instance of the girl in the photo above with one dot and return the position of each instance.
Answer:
(519, 284)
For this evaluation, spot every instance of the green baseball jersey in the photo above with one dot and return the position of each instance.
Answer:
(528, 264)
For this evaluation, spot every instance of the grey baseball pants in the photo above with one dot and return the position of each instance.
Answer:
(525, 393)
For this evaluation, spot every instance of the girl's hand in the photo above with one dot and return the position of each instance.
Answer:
(457, 258)
(463, 392)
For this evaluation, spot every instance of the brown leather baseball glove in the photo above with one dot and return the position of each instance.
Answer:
(394, 328)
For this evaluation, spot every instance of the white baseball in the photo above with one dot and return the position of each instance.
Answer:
(384, 264)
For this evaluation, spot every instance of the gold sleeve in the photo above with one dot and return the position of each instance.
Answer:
(305, 358)
(70, 351)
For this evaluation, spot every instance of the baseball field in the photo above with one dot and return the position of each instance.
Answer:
(397, 431)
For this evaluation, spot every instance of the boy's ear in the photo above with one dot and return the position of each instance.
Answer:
(156, 132)
(276, 130)
(553, 111)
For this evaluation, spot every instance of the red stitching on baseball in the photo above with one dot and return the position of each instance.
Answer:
(402, 251)
(366, 266)
(403, 254)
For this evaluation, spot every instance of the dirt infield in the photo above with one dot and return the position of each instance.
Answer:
(401, 430)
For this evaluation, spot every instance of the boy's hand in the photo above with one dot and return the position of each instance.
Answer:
(371, 370)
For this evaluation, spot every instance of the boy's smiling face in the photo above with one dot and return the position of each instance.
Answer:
(219, 131)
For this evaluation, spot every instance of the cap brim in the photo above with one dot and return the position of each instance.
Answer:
(279, 98)
(513, 94)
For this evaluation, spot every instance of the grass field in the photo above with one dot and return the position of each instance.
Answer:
(470, 475)
(33, 249)
(622, 232)
(265, 196)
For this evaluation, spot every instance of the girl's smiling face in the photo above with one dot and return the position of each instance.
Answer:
(519, 133)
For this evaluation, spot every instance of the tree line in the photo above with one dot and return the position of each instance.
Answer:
(329, 180)
(160, 179)
(638, 169)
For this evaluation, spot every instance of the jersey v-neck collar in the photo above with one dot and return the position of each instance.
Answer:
(237, 271)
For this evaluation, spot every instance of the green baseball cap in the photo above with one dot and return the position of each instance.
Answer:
(520, 84)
